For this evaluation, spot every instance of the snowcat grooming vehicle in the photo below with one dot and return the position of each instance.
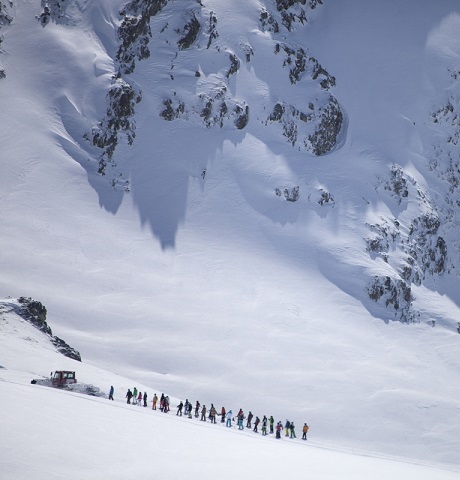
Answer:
(65, 380)
(58, 379)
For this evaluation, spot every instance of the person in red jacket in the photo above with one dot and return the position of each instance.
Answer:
(278, 429)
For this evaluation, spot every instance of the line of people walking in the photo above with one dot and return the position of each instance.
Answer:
(201, 411)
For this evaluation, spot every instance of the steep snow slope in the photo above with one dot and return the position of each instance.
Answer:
(201, 280)
(58, 434)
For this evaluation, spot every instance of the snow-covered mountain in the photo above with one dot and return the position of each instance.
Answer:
(253, 202)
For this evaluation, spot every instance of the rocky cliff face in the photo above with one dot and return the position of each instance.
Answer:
(195, 29)
(6, 17)
(35, 313)
(415, 244)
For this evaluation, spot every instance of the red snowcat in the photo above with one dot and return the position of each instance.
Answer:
(58, 379)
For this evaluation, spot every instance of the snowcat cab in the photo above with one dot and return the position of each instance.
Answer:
(61, 378)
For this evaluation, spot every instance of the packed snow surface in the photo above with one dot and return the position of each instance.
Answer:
(52, 433)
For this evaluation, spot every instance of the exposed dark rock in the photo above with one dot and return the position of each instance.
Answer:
(425, 251)
(212, 29)
(299, 63)
(426, 247)
(212, 109)
(54, 10)
(326, 198)
(248, 51)
(292, 195)
(234, 65)
(35, 313)
(326, 133)
(171, 112)
(134, 32)
(190, 33)
(292, 11)
(385, 235)
(288, 116)
(285, 4)
(268, 22)
(394, 293)
(5, 17)
(118, 120)
(5, 20)
(397, 183)
(277, 114)
(242, 116)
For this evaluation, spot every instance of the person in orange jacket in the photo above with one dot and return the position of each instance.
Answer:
(304, 431)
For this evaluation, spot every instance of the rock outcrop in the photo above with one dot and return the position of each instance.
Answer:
(35, 313)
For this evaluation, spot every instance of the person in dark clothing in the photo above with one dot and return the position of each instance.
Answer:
(212, 414)
(240, 419)
(223, 414)
(264, 426)
(129, 395)
(203, 414)
(287, 426)
(197, 409)
(179, 409)
(256, 424)
(145, 399)
(248, 423)
(291, 428)
(111, 393)
(271, 421)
